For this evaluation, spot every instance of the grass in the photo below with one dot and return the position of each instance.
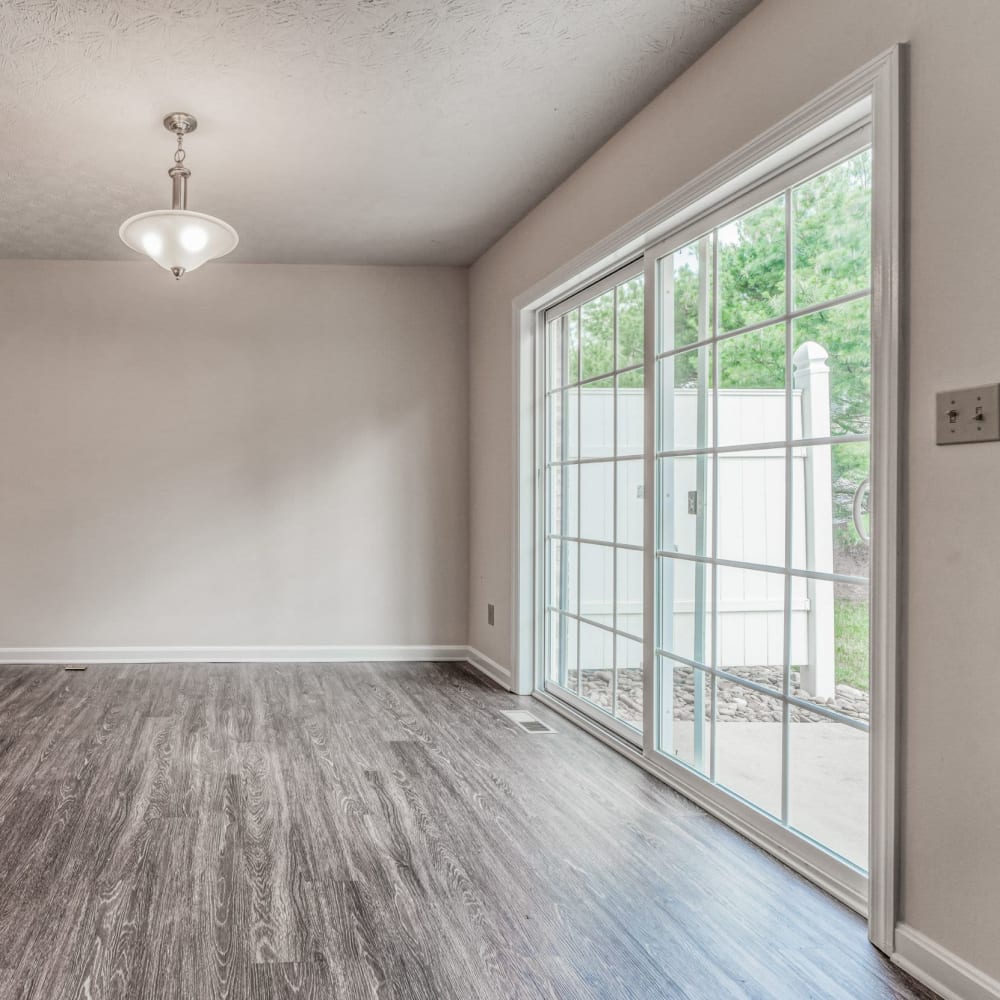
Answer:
(851, 642)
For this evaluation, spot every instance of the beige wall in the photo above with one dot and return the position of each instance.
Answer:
(782, 55)
(254, 455)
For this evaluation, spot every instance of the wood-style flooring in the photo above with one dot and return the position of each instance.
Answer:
(264, 832)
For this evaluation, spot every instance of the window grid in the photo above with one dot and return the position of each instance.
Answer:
(590, 621)
(790, 445)
(595, 541)
(726, 675)
(627, 457)
(582, 383)
(787, 591)
(786, 316)
(725, 449)
(556, 401)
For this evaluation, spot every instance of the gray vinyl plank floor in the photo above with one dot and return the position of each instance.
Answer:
(263, 832)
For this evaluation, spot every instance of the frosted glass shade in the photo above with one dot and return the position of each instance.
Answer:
(178, 241)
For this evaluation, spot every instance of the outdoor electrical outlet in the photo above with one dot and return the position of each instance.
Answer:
(490, 614)
(966, 416)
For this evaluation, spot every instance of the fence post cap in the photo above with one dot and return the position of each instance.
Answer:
(810, 355)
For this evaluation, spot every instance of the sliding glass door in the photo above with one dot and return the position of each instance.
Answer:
(594, 468)
(746, 662)
(763, 417)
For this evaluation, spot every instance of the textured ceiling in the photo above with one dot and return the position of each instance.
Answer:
(396, 131)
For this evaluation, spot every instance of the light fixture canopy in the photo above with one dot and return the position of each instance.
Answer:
(179, 240)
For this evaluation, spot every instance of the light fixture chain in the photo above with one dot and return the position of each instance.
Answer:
(179, 174)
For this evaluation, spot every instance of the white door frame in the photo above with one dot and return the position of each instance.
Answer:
(873, 93)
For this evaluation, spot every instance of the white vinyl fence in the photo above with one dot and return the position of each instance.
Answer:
(750, 524)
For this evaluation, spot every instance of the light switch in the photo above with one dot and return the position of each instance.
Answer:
(966, 416)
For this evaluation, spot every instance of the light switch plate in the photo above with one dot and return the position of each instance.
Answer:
(965, 416)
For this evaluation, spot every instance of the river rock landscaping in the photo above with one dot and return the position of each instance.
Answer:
(734, 702)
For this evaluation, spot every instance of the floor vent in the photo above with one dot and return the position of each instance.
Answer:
(527, 722)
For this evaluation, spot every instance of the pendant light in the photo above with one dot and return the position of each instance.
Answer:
(175, 238)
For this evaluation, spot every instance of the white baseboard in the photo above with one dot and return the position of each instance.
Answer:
(492, 669)
(942, 970)
(257, 654)
(229, 654)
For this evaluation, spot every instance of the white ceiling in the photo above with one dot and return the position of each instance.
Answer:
(395, 131)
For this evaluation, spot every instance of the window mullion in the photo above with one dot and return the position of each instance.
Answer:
(579, 495)
(651, 685)
(789, 522)
(614, 502)
(715, 323)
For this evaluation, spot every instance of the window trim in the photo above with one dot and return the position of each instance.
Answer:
(594, 290)
(873, 94)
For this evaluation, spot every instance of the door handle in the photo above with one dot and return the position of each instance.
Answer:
(862, 488)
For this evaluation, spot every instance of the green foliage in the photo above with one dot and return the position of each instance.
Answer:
(597, 333)
(754, 360)
(831, 226)
(831, 239)
(851, 462)
(851, 642)
(752, 267)
(844, 331)
(691, 322)
(631, 323)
